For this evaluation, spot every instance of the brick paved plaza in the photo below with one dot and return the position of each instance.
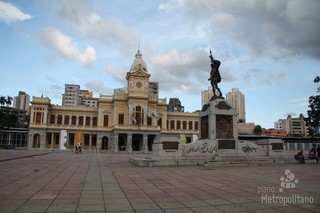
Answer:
(104, 182)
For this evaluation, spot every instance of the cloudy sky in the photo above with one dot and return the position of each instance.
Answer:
(269, 49)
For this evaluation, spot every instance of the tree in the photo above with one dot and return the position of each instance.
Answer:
(6, 101)
(313, 119)
(257, 130)
(8, 120)
(2, 100)
(9, 100)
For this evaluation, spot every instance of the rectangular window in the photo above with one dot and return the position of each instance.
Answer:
(196, 125)
(38, 117)
(190, 125)
(184, 124)
(87, 121)
(160, 122)
(178, 124)
(59, 121)
(149, 121)
(105, 120)
(66, 120)
(121, 118)
(171, 124)
(81, 120)
(94, 121)
(52, 117)
(73, 120)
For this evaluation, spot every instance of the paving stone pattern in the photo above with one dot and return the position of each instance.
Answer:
(32, 181)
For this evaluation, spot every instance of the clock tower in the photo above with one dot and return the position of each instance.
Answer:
(138, 79)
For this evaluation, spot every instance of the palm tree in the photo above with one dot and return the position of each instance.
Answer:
(9, 100)
(2, 100)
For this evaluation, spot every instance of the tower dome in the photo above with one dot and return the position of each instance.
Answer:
(138, 63)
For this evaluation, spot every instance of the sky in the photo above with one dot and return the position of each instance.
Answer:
(269, 49)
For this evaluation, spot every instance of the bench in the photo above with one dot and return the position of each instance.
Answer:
(307, 160)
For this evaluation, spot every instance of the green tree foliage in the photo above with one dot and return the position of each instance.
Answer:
(8, 120)
(257, 130)
(313, 119)
(6, 100)
(2, 100)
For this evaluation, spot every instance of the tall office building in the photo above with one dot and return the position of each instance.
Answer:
(206, 96)
(71, 96)
(22, 101)
(293, 126)
(236, 99)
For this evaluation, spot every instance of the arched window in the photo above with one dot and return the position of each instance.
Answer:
(137, 116)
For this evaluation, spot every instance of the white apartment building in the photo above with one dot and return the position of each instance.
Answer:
(71, 95)
(236, 99)
(281, 124)
(293, 126)
(206, 96)
(22, 101)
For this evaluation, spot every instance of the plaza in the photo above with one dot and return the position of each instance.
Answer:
(61, 181)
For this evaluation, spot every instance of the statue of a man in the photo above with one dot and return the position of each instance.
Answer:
(215, 76)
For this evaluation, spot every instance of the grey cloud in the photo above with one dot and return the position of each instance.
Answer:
(108, 31)
(175, 69)
(98, 87)
(266, 27)
(179, 71)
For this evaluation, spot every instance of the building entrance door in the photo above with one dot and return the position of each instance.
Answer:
(137, 142)
(104, 144)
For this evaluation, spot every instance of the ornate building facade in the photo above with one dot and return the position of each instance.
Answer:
(127, 121)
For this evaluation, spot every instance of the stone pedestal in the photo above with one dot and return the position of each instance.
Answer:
(166, 148)
(218, 122)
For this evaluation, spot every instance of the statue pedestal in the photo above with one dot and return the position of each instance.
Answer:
(166, 148)
(218, 122)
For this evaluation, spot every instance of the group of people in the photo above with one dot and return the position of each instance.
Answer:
(78, 149)
(313, 154)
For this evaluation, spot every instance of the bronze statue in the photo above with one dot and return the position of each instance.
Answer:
(215, 76)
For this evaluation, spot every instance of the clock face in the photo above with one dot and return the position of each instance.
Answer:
(138, 84)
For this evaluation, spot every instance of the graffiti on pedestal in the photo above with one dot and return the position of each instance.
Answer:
(204, 148)
(248, 149)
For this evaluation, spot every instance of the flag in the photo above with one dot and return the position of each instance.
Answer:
(153, 113)
(133, 117)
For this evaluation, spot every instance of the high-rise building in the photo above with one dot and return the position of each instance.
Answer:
(206, 96)
(236, 99)
(22, 101)
(71, 96)
(293, 126)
